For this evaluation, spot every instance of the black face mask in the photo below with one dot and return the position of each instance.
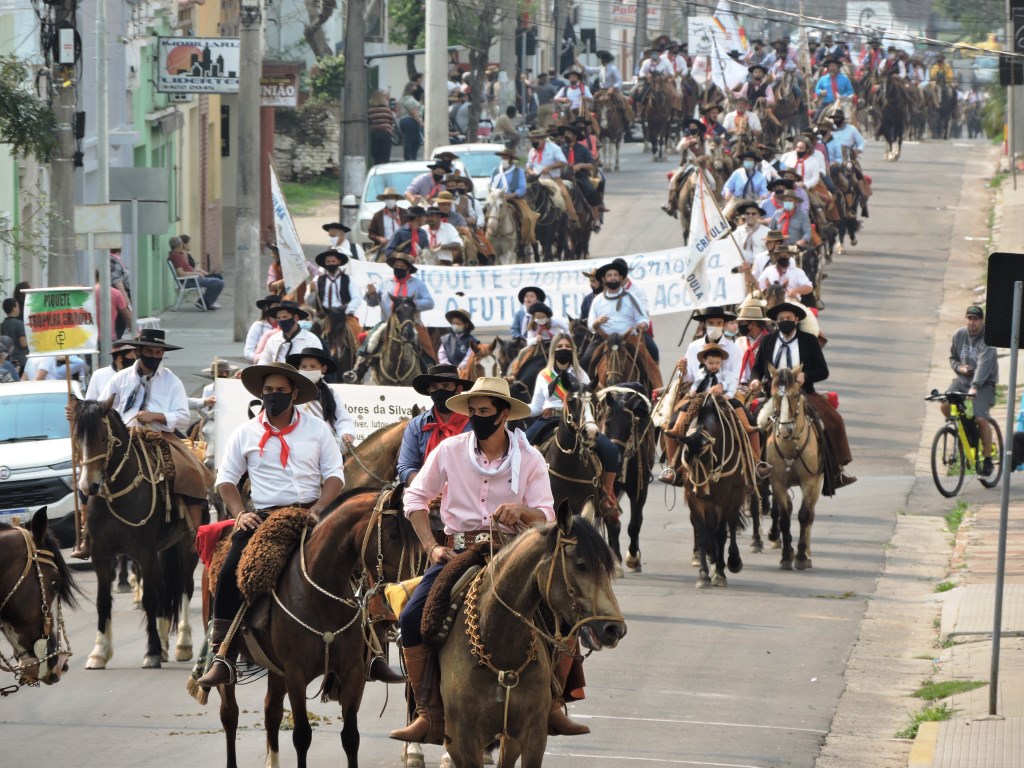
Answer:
(440, 397)
(783, 262)
(332, 268)
(400, 273)
(535, 144)
(151, 363)
(276, 403)
(484, 426)
(744, 329)
(838, 121)
(286, 325)
(802, 153)
(563, 356)
(786, 327)
(613, 285)
(438, 176)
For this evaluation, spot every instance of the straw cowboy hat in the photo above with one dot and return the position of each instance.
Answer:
(774, 236)
(390, 193)
(254, 376)
(223, 366)
(796, 309)
(295, 358)
(752, 310)
(152, 337)
(439, 374)
(711, 348)
(463, 315)
(487, 386)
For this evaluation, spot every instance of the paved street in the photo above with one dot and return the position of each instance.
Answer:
(744, 677)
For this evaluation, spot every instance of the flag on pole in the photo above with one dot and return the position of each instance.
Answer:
(707, 224)
(293, 260)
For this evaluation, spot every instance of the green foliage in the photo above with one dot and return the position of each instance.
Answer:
(327, 78)
(945, 586)
(27, 123)
(955, 517)
(977, 18)
(934, 691)
(408, 22)
(932, 714)
(304, 198)
(993, 112)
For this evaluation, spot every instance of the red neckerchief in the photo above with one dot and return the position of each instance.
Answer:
(402, 286)
(414, 241)
(800, 167)
(537, 154)
(751, 354)
(786, 216)
(835, 86)
(269, 431)
(432, 234)
(572, 155)
(441, 430)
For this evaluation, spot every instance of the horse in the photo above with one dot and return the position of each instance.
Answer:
(35, 585)
(580, 332)
(573, 465)
(132, 511)
(943, 102)
(562, 570)
(579, 236)
(372, 463)
(614, 117)
(848, 198)
(398, 362)
(340, 338)
(312, 623)
(894, 107)
(551, 227)
(501, 228)
(488, 360)
(621, 359)
(626, 420)
(795, 452)
(530, 362)
(719, 471)
(656, 114)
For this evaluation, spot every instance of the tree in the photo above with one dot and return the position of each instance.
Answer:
(408, 26)
(320, 12)
(978, 18)
(27, 123)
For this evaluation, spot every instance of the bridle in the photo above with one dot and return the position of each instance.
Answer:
(501, 214)
(35, 558)
(396, 329)
(799, 434)
(637, 436)
(582, 444)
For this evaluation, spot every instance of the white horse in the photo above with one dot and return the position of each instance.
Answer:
(501, 228)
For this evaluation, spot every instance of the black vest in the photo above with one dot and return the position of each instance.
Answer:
(321, 288)
(755, 92)
(456, 346)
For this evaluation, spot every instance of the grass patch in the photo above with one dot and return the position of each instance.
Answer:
(935, 691)
(304, 198)
(933, 714)
(288, 721)
(925, 657)
(997, 181)
(1001, 390)
(945, 586)
(955, 517)
(843, 596)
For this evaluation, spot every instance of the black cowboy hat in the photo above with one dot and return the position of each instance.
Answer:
(322, 257)
(254, 376)
(296, 357)
(838, 113)
(462, 315)
(619, 265)
(778, 42)
(292, 307)
(390, 261)
(747, 206)
(415, 211)
(335, 225)
(435, 211)
(831, 60)
(119, 345)
(734, 55)
(784, 183)
(605, 56)
(439, 374)
(444, 165)
(541, 296)
(752, 67)
(541, 307)
(796, 309)
(268, 301)
(693, 125)
(573, 70)
(756, 41)
(875, 41)
(713, 313)
(152, 337)
(751, 154)
(446, 156)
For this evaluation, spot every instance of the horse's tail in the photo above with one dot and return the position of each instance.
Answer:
(171, 584)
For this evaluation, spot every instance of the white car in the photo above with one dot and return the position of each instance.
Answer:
(477, 161)
(35, 454)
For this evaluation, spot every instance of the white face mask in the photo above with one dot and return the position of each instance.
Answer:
(313, 376)
(390, 204)
(714, 332)
(458, 328)
(542, 320)
(506, 164)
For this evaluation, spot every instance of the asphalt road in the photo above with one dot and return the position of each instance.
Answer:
(743, 677)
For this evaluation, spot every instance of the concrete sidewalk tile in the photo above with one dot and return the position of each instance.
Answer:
(973, 661)
(973, 611)
(988, 743)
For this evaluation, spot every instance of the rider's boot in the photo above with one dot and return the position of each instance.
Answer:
(845, 478)
(428, 727)
(222, 671)
(358, 373)
(559, 722)
(83, 551)
(610, 499)
(379, 671)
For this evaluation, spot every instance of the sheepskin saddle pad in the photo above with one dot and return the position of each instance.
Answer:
(448, 592)
(269, 549)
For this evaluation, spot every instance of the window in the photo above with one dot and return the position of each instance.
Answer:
(33, 417)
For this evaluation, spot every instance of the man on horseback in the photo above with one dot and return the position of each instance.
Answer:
(425, 432)
(845, 146)
(510, 180)
(793, 279)
(409, 239)
(793, 223)
(316, 365)
(872, 59)
(581, 166)
(544, 164)
(528, 296)
(489, 479)
(457, 346)
(336, 292)
(341, 244)
(746, 182)
(831, 87)
(387, 220)
(150, 397)
(292, 461)
(263, 326)
(789, 347)
(576, 94)
(427, 186)
(444, 244)
(741, 121)
(608, 76)
(122, 355)
(751, 233)
(289, 336)
(756, 88)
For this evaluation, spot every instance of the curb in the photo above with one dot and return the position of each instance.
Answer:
(922, 753)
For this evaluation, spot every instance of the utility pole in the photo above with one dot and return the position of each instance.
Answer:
(61, 264)
(352, 169)
(640, 38)
(247, 226)
(436, 91)
(103, 172)
(507, 57)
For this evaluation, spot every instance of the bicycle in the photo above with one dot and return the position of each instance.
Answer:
(957, 445)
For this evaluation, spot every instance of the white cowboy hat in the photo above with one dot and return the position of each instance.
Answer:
(487, 386)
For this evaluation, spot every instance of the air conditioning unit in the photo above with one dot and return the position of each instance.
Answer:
(179, 98)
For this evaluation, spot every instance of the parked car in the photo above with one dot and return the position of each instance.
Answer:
(477, 161)
(35, 455)
(378, 178)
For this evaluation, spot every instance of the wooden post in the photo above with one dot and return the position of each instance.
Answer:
(74, 457)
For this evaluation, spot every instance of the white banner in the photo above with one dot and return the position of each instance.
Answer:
(198, 64)
(707, 224)
(489, 294)
(371, 407)
(293, 260)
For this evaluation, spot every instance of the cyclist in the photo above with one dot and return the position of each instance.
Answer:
(977, 372)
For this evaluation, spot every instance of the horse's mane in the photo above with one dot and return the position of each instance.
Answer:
(589, 544)
(785, 378)
(90, 417)
(67, 590)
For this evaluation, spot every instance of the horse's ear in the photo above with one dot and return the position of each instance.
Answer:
(108, 403)
(772, 370)
(798, 369)
(563, 517)
(40, 525)
(414, 412)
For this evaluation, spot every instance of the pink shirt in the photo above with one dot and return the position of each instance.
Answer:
(456, 471)
(118, 302)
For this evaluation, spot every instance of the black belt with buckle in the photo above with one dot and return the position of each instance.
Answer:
(268, 510)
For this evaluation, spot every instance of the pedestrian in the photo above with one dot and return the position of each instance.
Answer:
(410, 122)
(382, 125)
(212, 286)
(120, 312)
(13, 326)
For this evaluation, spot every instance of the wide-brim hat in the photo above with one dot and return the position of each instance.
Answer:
(446, 156)
(537, 133)
(390, 193)
(774, 236)
(752, 67)
(487, 386)
(791, 196)
(120, 345)
(605, 56)
(541, 296)
(573, 70)
(542, 308)
(714, 313)
(708, 107)
(696, 125)
(506, 152)
(838, 113)
(619, 265)
(751, 154)
(390, 261)
(444, 197)
(254, 376)
(295, 358)
(435, 211)
(784, 183)
(152, 337)
(335, 225)
(322, 257)
(752, 310)
(439, 374)
(223, 366)
(292, 307)
(416, 210)
(711, 347)
(778, 42)
(442, 164)
(744, 207)
(831, 60)
(268, 301)
(462, 315)
(797, 309)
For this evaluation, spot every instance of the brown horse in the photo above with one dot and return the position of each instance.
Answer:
(621, 359)
(371, 464)
(489, 360)
(563, 570)
(340, 331)
(573, 466)
(794, 451)
(399, 360)
(35, 585)
(614, 116)
(656, 115)
(311, 624)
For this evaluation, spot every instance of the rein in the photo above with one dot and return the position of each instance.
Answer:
(352, 452)
(394, 336)
(801, 436)
(38, 558)
(581, 446)
(736, 454)
(630, 446)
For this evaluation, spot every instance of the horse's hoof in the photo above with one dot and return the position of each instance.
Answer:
(96, 662)
(757, 548)
(719, 580)
(164, 656)
(695, 561)
(776, 544)
(786, 565)
(803, 565)
(183, 653)
(703, 582)
(618, 567)
(633, 562)
(124, 588)
(151, 662)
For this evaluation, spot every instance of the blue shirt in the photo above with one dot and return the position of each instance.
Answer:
(737, 184)
(414, 287)
(414, 444)
(514, 180)
(847, 136)
(824, 88)
(400, 240)
(518, 321)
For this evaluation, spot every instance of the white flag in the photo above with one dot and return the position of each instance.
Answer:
(293, 260)
(707, 224)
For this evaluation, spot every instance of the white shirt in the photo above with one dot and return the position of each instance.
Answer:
(761, 260)
(476, 211)
(277, 348)
(675, 64)
(98, 382)
(621, 318)
(809, 168)
(199, 403)
(252, 338)
(730, 366)
(608, 76)
(391, 221)
(332, 292)
(793, 277)
(726, 377)
(555, 326)
(55, 372)
(445, 234)
(548, 153)
(575, 94)
(313, 456)
(753, 121)
(794, 351)
(166, 395)
(542, 400)
(347, 247)
(655, 66)
(751, 241)
(343, 424)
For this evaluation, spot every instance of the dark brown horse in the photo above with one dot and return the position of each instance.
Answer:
(622, 359)
(894, 109)
(35, 585)
(311, 625)
(564, 570)
(400, 354)
(132, 511)
(656, 115)
(372, 463)
(551, 229)
(614, 116)
(339, 333)
(572, 463)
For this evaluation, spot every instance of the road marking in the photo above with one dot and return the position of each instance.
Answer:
(698, 722)
(653, 760)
